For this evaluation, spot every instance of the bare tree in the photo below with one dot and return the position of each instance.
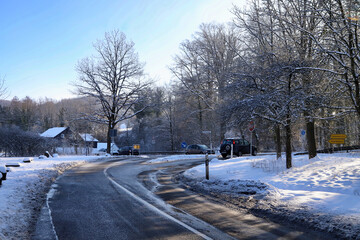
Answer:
(114, 78)
(204, 66)
(340, 41)
(3, 89)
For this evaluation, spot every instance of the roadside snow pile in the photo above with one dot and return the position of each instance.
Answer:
(234, 187)
(24, 192)
(176, 158)
(324, 191)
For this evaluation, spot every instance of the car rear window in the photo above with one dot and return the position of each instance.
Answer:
(230, 141)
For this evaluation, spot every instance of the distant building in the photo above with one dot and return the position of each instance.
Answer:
(89, 140)
(69, 142)
(58, 133)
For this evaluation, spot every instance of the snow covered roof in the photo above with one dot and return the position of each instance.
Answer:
(88, 137)
(53, 132)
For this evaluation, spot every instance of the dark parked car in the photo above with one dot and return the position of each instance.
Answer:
(128, 150)
(240, 147)
(198, 149)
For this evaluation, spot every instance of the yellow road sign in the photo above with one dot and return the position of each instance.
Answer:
(337, 141)
(338, 136)
(136, 146)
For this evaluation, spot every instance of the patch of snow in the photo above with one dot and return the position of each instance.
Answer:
(88, 137)
(176, 158)
(53, 132)
(101, 145)
(326, 186)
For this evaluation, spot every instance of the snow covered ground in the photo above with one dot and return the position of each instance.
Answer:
(324, 191)
(24, 191)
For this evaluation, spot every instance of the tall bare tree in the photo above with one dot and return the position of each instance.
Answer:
(113, 77)
(340, 41)
(204, 66)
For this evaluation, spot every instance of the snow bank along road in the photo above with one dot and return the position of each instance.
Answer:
(24, 191)
(322, 192)
(132, 199)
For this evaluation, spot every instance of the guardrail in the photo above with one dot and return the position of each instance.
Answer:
(162, 152)
(334, 149)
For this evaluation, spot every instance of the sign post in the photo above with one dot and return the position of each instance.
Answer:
(337, 139)
(303, 138)
(207, 166)
(113, 134)
(303, 132)
(208, 132)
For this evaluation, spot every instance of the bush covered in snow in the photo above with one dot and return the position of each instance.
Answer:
(15, 142)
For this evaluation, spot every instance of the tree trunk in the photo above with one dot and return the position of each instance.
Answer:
(108, 145)
(288, 129)
(310, 137)
(278, 141)
(201, 124)
(171, 128)
(222, 128)
(358, 140)
(288, 143)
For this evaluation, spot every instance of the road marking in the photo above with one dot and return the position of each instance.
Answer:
(155, 209)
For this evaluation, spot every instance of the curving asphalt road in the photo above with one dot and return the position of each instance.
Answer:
(127, 198)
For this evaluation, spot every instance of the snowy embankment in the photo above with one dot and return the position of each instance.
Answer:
(24, 191)
(176, 158)
(323, 192)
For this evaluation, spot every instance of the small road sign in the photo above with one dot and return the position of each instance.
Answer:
(113, 132)
(303, 132)
(183, 144)
(337, 141)
(136, 146)
(338, 136)
(251, 126)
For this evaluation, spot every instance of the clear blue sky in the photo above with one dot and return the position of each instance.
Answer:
(41, 41)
